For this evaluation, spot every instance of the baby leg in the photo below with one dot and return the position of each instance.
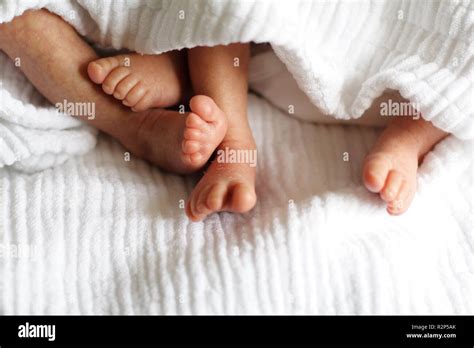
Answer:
(59, 72)
(221, 73)
(390, 168)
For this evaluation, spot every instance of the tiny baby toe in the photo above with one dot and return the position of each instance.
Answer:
(243, 198)
(113, 79)
(192, 134)
(189, 205)
(195, 215)
(401, 203)
(187, 209)
(99, 69)
(201, 207)
(144, 103)
(134, 96)
(124, 87)
(375, 173)
(216, 197)
(194, 121)
(95, 72)
(396, 207)
(109, 63)
(196, 158)
(392, 186)
(190, 146)
(203, 106)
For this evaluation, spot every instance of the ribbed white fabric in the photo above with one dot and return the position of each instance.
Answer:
(342, 53)
(109, 236)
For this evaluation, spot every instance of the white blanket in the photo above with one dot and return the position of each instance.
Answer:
(106, 237)
(343, 54)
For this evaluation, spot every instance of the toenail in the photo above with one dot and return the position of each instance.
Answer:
(96, 65)
(398, 204)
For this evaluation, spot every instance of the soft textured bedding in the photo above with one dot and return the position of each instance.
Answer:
(108, 236)
(105, 235)
(343, 54)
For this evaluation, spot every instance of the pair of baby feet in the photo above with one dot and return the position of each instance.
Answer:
(185, 145)
(181, 142)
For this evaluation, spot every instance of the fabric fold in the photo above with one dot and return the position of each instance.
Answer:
(343, 54)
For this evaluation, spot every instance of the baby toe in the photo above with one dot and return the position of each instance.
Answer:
(215, 198)
(194, 121)
(201, 204)
(392, 186)
(190, 146)
(196, 159)
(113, 79)
(193, 211)
(145, 103)
(134, 95)
(100, 68)
(402, 201)
(375, 172)
(190, 213)
(205, 107)
(124, 87)
(190, 207)
(243, 198)
(193, 134)
(96, 73)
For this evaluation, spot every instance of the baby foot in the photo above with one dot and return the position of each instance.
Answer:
(224, 187)
(179, 143)
(142, 82)
(391, 172)
(204, 130)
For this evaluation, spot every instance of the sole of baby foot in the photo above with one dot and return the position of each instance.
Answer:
(226, 187)
(157, 135)
(205, 127)
(142, 82)
(392, 174)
